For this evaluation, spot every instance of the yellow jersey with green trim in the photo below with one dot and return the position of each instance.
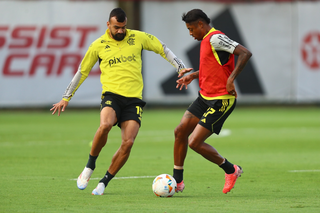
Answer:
(120, 63)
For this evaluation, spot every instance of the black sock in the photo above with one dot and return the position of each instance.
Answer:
(227, 167)
(92, 162)
(178, 175)
(106, 179)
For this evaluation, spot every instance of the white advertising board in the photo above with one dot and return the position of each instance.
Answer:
(41, 46)
(252, 25)
(275, 33)
(43, 42)
(308, 54)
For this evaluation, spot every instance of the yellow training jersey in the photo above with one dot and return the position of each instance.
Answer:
(120, 63)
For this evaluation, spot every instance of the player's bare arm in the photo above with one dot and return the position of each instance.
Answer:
(243, 57)
(184, 81)
(184, 71)
(60, 106)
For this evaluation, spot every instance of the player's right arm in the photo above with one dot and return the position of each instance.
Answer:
(152, 43)
(60, 106)
(89, 60)
(184, 81)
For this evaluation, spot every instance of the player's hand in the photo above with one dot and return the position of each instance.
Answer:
(231, 88)
(184, 81)
(184, 71)
(60, 106)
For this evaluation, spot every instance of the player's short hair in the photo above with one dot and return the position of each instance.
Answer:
(195, 15)
(119, 14)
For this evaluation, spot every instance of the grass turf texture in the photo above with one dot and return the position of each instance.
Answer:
(42, 155)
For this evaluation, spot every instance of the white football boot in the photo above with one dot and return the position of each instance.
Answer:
(99, 189)
(84, 178)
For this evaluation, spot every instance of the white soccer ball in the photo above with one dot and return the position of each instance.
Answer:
(164, 185)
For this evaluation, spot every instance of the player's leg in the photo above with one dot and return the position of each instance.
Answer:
(129, 122)
(187, 124)
(129, 131)
(212, 122)
(197, 143)
(181, 133)
(107, 120)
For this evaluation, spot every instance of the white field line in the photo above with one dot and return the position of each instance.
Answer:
(120, 178)
(314, 170)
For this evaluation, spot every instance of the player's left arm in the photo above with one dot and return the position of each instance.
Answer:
(221, 42)
(152, 43)
(174, 60)
(243, 57)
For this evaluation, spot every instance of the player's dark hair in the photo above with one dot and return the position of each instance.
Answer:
(195, 15)
(119, 14)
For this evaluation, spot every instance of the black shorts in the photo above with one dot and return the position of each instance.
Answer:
(212, 113)
(125, 108)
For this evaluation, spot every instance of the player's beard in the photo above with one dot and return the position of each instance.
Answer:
(118, 36)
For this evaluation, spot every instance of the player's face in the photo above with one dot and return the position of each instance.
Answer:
(117, 29)
(195, 30)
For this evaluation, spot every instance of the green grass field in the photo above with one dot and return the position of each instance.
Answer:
(278, 148)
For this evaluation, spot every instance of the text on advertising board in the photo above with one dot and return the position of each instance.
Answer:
(27, 49)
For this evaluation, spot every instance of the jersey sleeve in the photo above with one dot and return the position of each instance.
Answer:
(221, 42)
(154, 44)
(88, 61)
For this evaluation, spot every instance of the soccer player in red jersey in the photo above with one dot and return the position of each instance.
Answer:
(216, 100)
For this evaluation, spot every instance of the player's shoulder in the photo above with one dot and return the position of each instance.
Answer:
(222, 42)
(98, 42)
(136, 33)
(219, 38)
(140, 34)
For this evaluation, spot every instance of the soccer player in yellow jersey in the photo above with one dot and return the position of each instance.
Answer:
(119, 54)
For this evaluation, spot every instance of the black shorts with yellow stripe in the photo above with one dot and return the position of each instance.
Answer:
(212, 113)
(125, 108)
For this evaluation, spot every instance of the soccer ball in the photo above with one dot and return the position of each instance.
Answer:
(164, 185)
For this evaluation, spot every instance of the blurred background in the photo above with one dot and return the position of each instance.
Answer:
(42, 44)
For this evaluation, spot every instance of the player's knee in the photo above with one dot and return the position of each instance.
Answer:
(127, 145)
(176, 132)
(105, 128)
(193, 144)
(179, 132)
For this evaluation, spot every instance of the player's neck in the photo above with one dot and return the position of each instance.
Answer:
(207, 29)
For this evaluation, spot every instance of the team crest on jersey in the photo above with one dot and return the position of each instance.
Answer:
(131, 40)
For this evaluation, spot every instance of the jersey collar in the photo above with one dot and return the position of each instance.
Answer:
(212, 30)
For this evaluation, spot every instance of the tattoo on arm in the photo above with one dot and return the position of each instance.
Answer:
(188, 114)
(195, 74)
(233, 75)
